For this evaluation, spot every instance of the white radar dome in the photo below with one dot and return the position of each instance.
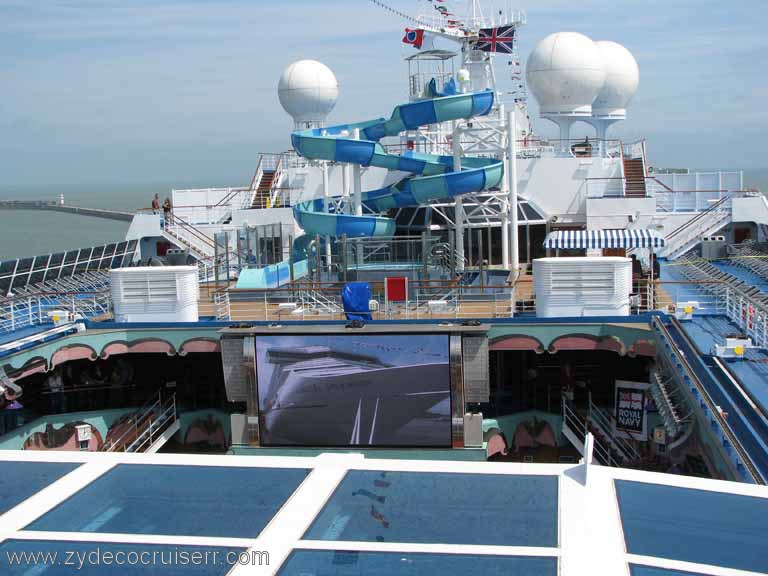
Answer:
(308, 91)
(622, 77)
(565, 73)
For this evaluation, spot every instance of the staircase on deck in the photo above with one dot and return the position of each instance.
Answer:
(265, 182)
(609, 449)
(263, 196)
(633, 160)
(634, 178)
(148, 428)
(706, 223)
(186, 236)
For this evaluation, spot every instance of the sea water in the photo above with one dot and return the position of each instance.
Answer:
(33, 232)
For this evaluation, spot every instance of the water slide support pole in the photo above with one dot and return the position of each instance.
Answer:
(345, 187)
(505, 213)
(326, 209)
(459, 209)
(512, 183)
(357, 195)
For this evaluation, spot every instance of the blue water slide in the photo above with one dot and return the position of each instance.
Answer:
(433, 177)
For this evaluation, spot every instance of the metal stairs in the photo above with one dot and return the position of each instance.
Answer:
(608, 449)
(263, 196)
(687, 236)
(634, 178)
(186, 236)
(148, 428)
(315, 300)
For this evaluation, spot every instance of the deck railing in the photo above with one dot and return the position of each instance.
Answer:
(145, 426)
(21, 312)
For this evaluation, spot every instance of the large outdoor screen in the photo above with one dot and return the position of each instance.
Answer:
(350, 390)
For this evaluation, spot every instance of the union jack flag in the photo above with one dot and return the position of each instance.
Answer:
(500, 39)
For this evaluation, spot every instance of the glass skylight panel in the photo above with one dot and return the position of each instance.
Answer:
(346, 563)
(56, 558)
(502, 510)
(637, 570)
(20, 480)
(176, 500)
(699, 526)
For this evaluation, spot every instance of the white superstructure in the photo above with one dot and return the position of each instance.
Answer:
(597, 183)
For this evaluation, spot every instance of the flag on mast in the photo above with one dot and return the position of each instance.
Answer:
(414, 37)
(501, 39)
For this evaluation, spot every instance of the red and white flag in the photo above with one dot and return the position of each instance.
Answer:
(414, 37)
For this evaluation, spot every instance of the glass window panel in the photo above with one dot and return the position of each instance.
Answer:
(637, 570)
(97, 253)
(7, 267)
(85, 255)
(131, 246)
(116, 262)
(694, 525)
(52, 273)
(121, 247)
(346, 563)
(176, 500)
(56, 259)
(520, 215)
(20, 480)
(19, 281)
(25, 265)
(66, 271)
(503, 510)
(5, 286)
(81, 267)
(36, 277)
(98, 558)
(41, 262)
(530, 213)
(109, 250)
(71, 256)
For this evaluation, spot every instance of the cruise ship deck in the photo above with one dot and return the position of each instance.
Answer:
(428, 338)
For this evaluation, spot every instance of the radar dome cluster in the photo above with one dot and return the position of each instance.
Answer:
(622, 77)
(565, 72)
(574, 78)
(308, 91)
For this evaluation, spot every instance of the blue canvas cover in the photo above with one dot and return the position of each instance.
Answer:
(356, 297)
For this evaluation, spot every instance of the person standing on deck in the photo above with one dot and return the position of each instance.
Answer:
(155, 204)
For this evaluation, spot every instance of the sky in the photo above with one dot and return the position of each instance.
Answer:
(104, 92)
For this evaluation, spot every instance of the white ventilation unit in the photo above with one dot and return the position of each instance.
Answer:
(155, 294)
(577, 287)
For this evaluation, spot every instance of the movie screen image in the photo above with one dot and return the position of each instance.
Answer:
(350, 390)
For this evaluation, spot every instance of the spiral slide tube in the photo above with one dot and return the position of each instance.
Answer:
(434, 177)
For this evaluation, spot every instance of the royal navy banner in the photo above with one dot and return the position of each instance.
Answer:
(630, 412)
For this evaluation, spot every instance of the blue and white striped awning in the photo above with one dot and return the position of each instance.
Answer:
(573, 239)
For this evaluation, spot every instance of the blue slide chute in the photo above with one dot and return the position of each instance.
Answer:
(433, 177)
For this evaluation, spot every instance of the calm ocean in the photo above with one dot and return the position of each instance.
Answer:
(33, 232)
(29, 233)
